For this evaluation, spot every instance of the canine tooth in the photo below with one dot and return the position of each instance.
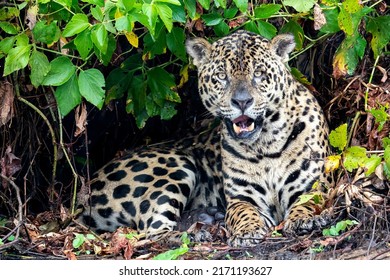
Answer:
(236, 128)
(251, 127)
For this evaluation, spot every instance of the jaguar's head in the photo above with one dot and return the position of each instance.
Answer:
(242, 78)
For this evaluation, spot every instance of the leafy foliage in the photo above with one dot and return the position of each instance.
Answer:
(175, 253)
(338, 228)
(79, 33)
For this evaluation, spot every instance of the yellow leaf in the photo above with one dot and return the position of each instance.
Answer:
(132, 38)
(332, 163)
(118, 14)
(183, 76)
(339, 64)
(146, 56)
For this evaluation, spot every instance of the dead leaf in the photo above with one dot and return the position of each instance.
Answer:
(9, 164)
(70, 255)
(384, 72)
(31, 17)
(319, 17)
(81, 119)
(6, 102)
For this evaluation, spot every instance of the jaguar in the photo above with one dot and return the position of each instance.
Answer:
(269, 148)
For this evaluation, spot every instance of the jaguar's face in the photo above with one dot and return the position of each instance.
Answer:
(241, 80)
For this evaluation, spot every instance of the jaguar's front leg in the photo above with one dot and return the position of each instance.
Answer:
(246, 225)
(307, 217)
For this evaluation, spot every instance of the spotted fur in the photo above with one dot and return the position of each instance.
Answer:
(269, 149)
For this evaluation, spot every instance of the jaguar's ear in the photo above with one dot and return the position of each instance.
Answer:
(199, 49)
(283, 45)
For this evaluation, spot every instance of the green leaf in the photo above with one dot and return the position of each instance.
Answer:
(221, 29)
(379, 28)
(22, 40)
(175, 43)
(61, 69)
(381, 116)
(91, 83)
(386, 157)
(332, 25)
(8, 12)
(46, 33)
(220, 3)
(151, 12)
(345, 22)
(294, 28)
(6, 44)
(68, 96)
(230, 13)
(168, 111)
(355, 157)
(126, 5)
(266, 29)
(178, 13)
(172, 254)
(136, 98)
(8, 28)
(340, 226)
(352, 6)
(299, 5)
(242, 5)
(78, 240)
(205, 4)
(99, 3)
(155, 45)
(66, 3)
(97, 13)
(299, 76)
(173, 2)
(264, 11)
(40, 66)
(371, 164)
(212, 19)
(338, 137)
(123, 23)
(105, 58)
(16, 59)
(190, 6)
(165, 14)
(77, 24)
(385, 142)
(99, 37)
(83, 43)
(348, 53)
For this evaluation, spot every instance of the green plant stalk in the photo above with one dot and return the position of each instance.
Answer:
(45, 119)
(369, 82)
(353, 127)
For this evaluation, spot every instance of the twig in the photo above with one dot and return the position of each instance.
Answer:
(42, 115)
(20, 214)
(369, 82)
(75, 175)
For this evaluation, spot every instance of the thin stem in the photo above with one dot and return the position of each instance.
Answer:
(369, 82)
(45, 119)
(65, 152)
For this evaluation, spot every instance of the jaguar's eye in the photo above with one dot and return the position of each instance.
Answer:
(221, 75)
(258, 74)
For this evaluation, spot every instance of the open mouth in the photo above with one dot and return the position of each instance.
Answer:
(243, 126)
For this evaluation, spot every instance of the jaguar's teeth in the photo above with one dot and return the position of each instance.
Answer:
(237, 129)
(251, 127)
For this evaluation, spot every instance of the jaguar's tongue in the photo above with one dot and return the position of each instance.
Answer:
(243, 124)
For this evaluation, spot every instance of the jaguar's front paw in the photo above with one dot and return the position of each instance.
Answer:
(247, 238)
(300, 224)
(245, 224)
